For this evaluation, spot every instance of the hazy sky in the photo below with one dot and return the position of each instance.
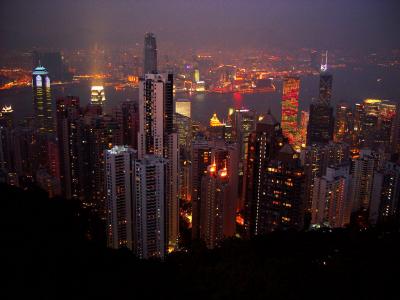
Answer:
(352, 24)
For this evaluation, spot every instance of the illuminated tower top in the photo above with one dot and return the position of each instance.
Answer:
(324, 62)
(42, 100)
(97, 95)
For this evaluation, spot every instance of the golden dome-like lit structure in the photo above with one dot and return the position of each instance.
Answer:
(215, 122)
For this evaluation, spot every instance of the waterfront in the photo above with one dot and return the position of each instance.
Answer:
(349, 85)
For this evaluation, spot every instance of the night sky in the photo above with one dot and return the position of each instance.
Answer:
(340, 24)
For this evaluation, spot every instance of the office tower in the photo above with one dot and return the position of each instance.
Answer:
(151, 232)
(290, 107)
(264, 144)
(158, 137)
(321, 121)
(325, 82)
(184, 126)
(384, 205)
(343, 123)
(331, 205)
(183, 107)
(215, 193)
(55, 63)
(304, 117)
(97, 95)
(70, 137)
(320, 124)
(374, 119)
(284, 206)
(395, 132)
(7, 153)
(150, 53)
(42, 103)
(362, 180)
(120, 180)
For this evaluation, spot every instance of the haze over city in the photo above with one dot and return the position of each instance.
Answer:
(206, 149)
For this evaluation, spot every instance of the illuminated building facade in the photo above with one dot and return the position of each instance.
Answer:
(120, 204)
(331, 205)
(151, 225)
(97, 95)
(183, 107)
(264, 144)
(385, 200)
(290, 107)
(215, 193)
(344, 124)
(42, 102)
(321, 121)
(362, 180)
(150, 54)
(157, 136)
(284, 205)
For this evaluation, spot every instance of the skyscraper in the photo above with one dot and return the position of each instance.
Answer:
(42, 102)
(321, 122)
(290, 107)
(158, 137)
(264, 144)
(151, 224)
(69, 134)
(331, 205)
(150, 53)
(362, 180)
(120, 204)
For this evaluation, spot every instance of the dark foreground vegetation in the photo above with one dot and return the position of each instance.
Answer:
(53, 249)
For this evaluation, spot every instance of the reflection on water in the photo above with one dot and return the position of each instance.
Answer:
(348, 85)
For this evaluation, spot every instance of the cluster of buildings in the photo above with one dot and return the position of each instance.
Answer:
(248, 176)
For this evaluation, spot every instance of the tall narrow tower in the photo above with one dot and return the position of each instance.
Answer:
(42, 103)
(158, 138)
(150, 53)
(290, 107)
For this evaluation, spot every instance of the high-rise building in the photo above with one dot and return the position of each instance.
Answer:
(151, 225)
(331, 205)
(284, 181)
(320, 124)
(362, 180)
(121, 209)
(69, 133)
(150, 54)
(343, 123)
(395, 133)
(42, 102)
(264, 144)
(384, 206)
(325, 83)
(158, 137)
(290, 107)
(215, 194)
(97, 95)
(127, 116)
(321, 121)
